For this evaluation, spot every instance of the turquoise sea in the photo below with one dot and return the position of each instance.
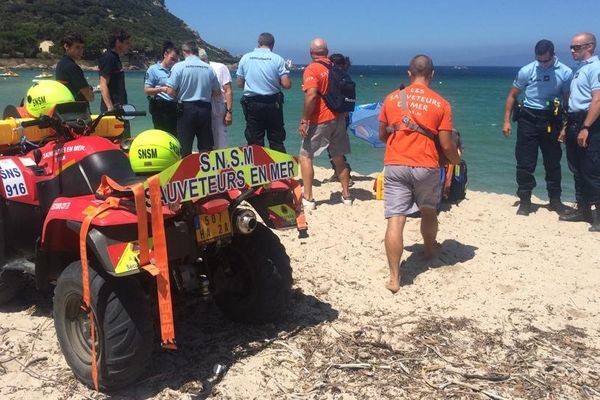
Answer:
(477, 95)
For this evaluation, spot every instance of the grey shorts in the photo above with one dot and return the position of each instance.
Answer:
(403, 186)
(330, 134)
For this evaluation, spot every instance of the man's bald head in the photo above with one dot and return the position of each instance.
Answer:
(318, 47)
(421, 66)
(585, 37)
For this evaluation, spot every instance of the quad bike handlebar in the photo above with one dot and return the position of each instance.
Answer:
(76, 115)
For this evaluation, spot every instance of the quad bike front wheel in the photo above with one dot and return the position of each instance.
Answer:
(254, 282)
(11, 282)
(124, 330)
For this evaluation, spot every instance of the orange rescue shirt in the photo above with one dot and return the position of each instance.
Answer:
(427, 109)
(316, 76)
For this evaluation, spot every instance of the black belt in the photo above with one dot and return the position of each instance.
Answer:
(199, 103)
(269, 98)
(538, 113)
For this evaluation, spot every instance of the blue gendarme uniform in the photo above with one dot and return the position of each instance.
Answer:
(538, 126)
(194, 81)
(262, 101)
(584, 162)
(156, 76)
(162, 107)
(261, 69)
(542, 85)
(586, 79)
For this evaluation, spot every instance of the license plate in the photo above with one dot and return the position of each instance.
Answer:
(212, 226)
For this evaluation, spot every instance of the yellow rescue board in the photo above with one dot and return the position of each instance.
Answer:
(108, 127)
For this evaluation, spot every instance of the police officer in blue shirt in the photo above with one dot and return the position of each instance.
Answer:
(545, 83)
(262, 74)
(193, 82)
(162, 107)
(583, 131)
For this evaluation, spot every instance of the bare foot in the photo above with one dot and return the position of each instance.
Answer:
(393, 285)
(430, 254)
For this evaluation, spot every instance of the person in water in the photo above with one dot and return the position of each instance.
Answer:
(410, 123)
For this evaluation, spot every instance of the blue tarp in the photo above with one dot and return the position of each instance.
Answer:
(364, 124)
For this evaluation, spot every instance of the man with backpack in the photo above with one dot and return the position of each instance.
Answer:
(328, 95)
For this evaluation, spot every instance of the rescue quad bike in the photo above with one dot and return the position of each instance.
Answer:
(121, 248)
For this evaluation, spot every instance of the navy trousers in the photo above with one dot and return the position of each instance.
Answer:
(532, 134)
(584, 162)
(195, 121)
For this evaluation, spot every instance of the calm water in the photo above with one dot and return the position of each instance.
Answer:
(477, 96)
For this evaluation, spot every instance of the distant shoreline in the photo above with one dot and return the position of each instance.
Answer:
(86, 65)
(91, 65)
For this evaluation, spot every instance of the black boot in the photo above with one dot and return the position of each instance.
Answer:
(583, 213)
(595, 220)
(524, 207)
(557, 206)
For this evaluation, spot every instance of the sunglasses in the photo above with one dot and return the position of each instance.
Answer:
(578, 47)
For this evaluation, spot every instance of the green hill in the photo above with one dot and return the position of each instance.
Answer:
(26, 23)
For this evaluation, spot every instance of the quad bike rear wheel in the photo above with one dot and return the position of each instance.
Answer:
(254, 283)
(124, 328)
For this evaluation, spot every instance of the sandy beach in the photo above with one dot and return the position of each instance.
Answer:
(510, 309)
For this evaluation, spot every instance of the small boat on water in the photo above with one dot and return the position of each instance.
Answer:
(44, 75)
(9, 74)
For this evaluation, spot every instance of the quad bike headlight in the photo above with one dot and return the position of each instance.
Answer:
(244, 221)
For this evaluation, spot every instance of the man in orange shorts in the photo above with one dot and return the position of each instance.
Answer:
(411, 122)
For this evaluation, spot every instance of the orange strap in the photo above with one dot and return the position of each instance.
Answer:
(111, 202)
(163, 282)
(161, 268)
(301, 223)
(107, 185)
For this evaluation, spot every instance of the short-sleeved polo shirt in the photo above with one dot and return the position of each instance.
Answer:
(71, 75)
(542, 85)
(157, 76)
(261, 70)
(316, 76)
(109, 66)
(193, 80)
(586, 79)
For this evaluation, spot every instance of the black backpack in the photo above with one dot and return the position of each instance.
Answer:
(458, 185)
(341, 90)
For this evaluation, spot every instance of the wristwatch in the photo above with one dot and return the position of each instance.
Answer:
(228, 110)
(586, 127)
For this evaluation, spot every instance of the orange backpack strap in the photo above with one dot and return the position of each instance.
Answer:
(165, 305)
(111, 202)
(301, 223)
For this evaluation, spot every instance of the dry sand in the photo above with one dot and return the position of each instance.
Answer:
(511, 309)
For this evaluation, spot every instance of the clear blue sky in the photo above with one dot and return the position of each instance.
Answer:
(469, 32)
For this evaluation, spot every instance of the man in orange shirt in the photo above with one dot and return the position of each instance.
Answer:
(320, 127)
(410, 123)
